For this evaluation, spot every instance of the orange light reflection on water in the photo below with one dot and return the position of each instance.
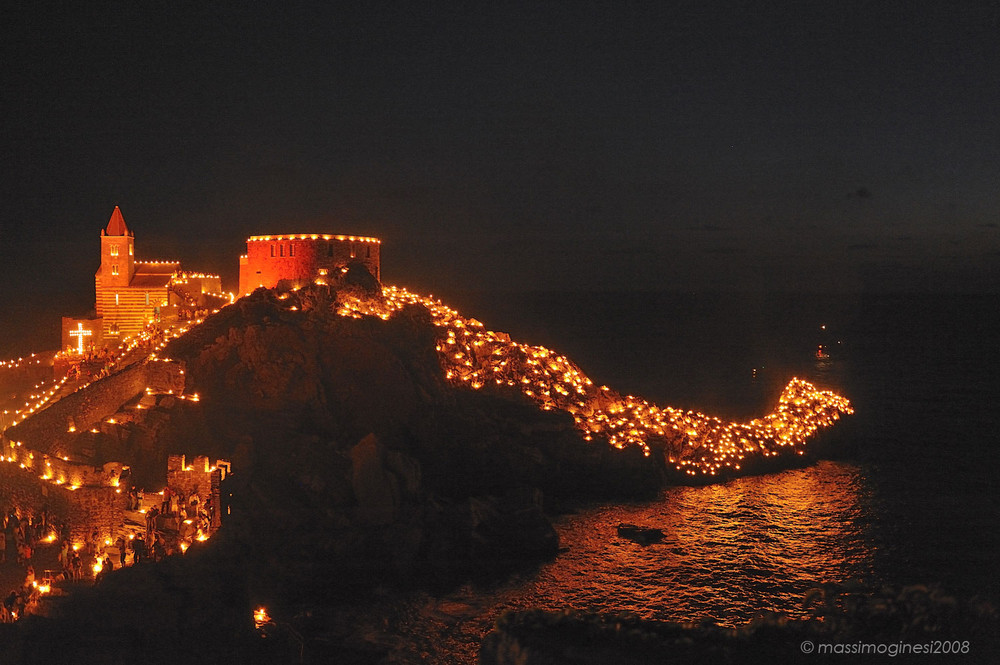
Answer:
(730, 551)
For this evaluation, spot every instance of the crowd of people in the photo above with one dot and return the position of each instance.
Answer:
(97, 363)
(186, 516)
(94, 364)
(20, 535)
(172, 524)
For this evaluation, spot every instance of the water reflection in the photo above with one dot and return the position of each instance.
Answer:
(731, 552)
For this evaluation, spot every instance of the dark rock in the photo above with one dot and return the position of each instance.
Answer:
(511, 526)
(375, 488)
(843, 618)
(644, 535)
(358, 277)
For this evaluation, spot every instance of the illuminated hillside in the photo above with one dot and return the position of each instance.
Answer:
(695, 443)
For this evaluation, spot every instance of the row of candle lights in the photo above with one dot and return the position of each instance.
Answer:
(695, 444)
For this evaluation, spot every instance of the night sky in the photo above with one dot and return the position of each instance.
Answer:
(622, 145)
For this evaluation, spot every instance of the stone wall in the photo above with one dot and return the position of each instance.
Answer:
(60, 471)
(84, 510)
(23, 490)
(200, 477)
(100, 509)
(165, 376)
(53, 429)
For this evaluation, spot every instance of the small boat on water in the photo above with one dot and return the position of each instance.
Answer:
(821, 353)
(644, 535)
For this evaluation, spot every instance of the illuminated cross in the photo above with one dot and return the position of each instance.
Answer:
(81, 333)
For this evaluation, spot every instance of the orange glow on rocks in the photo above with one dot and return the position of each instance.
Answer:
(694, 443)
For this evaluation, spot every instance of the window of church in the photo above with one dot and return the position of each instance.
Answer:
(116, 298)
(329, 249)
(272, 251)
(114, 250)
(368, 252)
(353, 251)
(281, 249)
(131, 249)
(291, 249)
(147, 298)
(114, 269)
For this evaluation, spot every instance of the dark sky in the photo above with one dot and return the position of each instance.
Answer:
(660, 145)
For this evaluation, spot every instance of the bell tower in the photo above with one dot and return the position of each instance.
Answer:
(117, 253)
(117, 260)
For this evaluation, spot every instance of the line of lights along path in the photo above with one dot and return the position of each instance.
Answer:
(695, 444)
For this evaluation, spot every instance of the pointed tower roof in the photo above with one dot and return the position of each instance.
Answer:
(116, 225)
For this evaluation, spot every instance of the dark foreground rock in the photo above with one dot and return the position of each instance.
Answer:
(644, 535)
(909, 625)
(192, 609)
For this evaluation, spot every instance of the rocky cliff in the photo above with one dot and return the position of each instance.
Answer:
(352, 452)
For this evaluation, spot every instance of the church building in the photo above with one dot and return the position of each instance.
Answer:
(132, 294)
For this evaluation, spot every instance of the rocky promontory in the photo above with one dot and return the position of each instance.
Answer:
(351, 449)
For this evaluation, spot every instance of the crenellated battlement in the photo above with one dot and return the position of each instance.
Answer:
(304, 258)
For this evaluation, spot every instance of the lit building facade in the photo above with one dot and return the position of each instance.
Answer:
(300, 259)
(129, 293)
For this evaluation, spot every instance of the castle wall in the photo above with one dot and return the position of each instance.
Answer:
(198, 283)
(33, 475)
(49, 429)
(60, 472)
(84, 510)
(90, 509)
(190, 289)
(24, 491)
(200, 477)
(302, 259)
